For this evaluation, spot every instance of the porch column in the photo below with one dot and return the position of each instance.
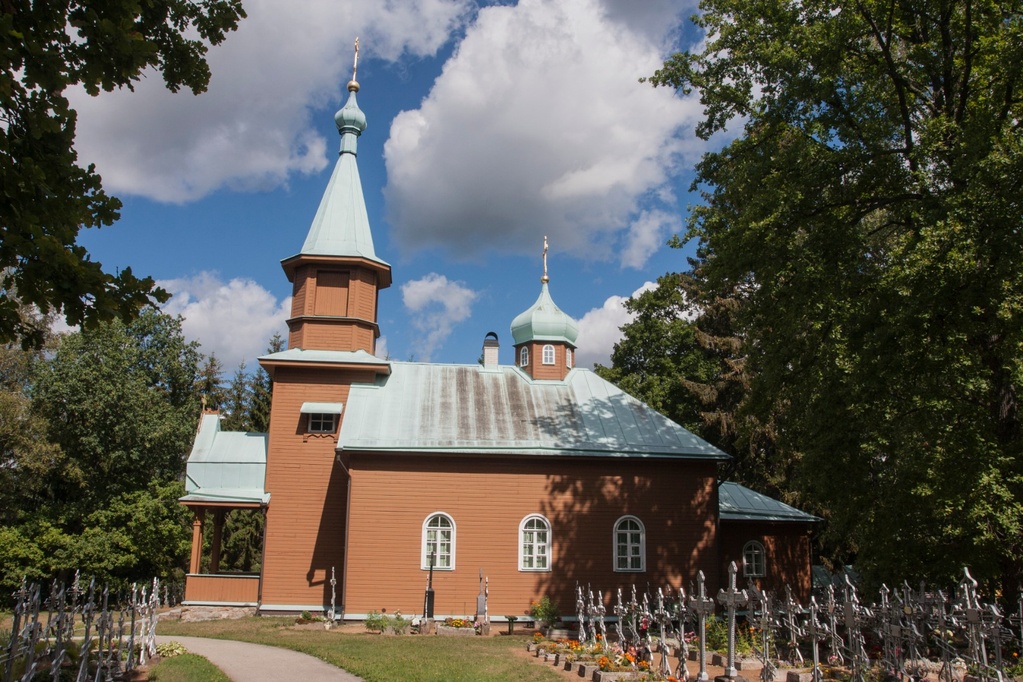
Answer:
(197, 528)
(218, 528)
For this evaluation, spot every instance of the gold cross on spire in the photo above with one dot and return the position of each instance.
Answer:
(545, 278)
(355, 65)
(353, 85)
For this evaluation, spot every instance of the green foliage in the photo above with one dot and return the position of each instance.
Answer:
(92, 479)
(398, 624)
(121, 401)
(376, 621)
(866, 221)
(186, 667)
(544, 611)
(659, 352)
(45, 48)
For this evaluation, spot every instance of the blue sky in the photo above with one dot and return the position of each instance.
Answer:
(489, 127)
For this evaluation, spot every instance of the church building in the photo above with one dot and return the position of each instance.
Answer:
(378, 476)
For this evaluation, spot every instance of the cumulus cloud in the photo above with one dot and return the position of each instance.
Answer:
(436, 305)
(251, 130)
(234, 320)
(600, 328)
(538, 125)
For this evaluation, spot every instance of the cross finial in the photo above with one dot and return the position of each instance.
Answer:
(545, 278)
(353, 85)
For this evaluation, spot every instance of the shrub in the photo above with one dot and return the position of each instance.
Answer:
(544, 610)
(398, 624)
(376, 621)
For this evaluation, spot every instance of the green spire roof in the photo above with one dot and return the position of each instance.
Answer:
(544, 321)
(341, 226)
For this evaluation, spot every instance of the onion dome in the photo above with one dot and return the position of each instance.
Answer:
(544, 321)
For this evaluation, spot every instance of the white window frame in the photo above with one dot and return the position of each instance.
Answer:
(532, 549)
(523, 356)
(568, 358)
(548, 354)
(754, 560)
(444, 561)
(634, 545)
(322, 422)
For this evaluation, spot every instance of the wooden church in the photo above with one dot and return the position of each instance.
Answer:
(377, 476)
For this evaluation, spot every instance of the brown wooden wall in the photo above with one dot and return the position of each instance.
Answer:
(305, 521)
(786, 549)
(222, 589)
(333, 309)
(392, 495)
(536, 368)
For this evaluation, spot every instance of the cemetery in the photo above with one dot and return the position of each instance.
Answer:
(84, 633)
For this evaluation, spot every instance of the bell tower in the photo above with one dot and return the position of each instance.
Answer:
(337, 275)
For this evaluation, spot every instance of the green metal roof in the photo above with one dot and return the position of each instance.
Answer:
(341, 357)
(738, 503)
(432, 408)
(225, 466)
(341, 225)
(544, 321)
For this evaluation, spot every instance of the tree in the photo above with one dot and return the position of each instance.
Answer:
(211, 377)
(122, 402)
(262, 391)
(46, 47)
(868, 214)
(659, 353)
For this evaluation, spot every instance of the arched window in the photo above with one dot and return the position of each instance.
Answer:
(523, 356)
(439, 540)
(630, 544)
(568, 358)
(534, 544)
(753, 560)
(548, 354)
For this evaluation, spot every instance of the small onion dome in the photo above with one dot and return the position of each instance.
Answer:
(350, 116)
(544, 321)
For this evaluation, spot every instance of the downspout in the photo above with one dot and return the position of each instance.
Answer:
(348, 518)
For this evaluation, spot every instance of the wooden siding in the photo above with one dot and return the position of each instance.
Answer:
(536, 368)
(221, 589)
(363, 298)
(786, 550)
(305, 521)
(331, 293)
(392, 495)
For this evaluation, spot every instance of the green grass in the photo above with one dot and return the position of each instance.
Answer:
(186, 668)
(385, 658)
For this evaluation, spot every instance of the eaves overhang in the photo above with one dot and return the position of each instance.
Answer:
(382, 268)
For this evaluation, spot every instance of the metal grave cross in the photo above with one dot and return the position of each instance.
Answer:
(732, 599)
(702, 606)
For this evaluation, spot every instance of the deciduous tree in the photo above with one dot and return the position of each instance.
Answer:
(869, 212)
(45, 48)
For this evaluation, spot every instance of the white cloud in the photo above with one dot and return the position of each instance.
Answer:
(647, 233)
(234, 320)
(436, 306)
(538, 125)
(600, 328)
(251, 130)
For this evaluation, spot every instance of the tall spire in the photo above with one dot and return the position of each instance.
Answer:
(341, 225)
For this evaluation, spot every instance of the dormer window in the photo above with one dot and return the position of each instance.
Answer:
(523, 356)
(321, 417)
(548, 354)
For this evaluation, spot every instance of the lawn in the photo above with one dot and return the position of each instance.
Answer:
(186, 668)
(384, 658)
